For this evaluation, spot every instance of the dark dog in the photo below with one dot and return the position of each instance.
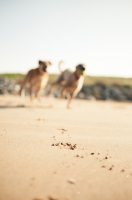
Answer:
(71, 82)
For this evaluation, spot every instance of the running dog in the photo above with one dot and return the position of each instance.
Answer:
(71, 82)
(36, 79)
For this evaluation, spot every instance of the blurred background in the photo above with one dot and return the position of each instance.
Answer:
(97, 33)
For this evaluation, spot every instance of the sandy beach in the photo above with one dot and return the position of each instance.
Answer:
(48, 152)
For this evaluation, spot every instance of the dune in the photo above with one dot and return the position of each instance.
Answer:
(48, 152)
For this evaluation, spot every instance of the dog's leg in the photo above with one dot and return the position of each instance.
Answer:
(38, 94)
(66, 90)
(51, 88)
(63, 93)
(70, 97)
(31, 94)
(23, 86)
(69, 100)
(22, 91)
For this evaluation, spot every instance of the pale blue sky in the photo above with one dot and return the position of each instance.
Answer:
(97, 33)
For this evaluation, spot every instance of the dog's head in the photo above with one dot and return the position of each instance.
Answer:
(43, 65)
(80, 69)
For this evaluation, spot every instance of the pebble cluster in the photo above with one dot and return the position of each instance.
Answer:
(65, 145)
(9, 86)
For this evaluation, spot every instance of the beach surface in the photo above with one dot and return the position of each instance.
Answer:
(48, 152)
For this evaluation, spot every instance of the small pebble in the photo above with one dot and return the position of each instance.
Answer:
(72, 181)
(57, 144)
(122, 170)
(75, 145)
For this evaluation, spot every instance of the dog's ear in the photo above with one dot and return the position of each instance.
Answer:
(48, 63)
(40, 62)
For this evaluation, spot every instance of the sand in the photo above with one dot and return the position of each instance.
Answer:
(40, 161)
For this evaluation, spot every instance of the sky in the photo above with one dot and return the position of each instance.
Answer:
(97, 33)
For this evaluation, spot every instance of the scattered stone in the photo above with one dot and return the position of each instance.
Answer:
(72, 148)
(20, 106)
(103, 166)
(57, 144)
(52, 198)
(62, 129)
(122, 170)
(77, 155)
(71, 180)
(106, 157)
(92, 153)
(37, 199)
(75, 145)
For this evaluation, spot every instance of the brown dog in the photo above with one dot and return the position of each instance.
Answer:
(36, 79)
(71, 82)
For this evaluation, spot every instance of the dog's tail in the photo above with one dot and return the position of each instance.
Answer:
(59, 66)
